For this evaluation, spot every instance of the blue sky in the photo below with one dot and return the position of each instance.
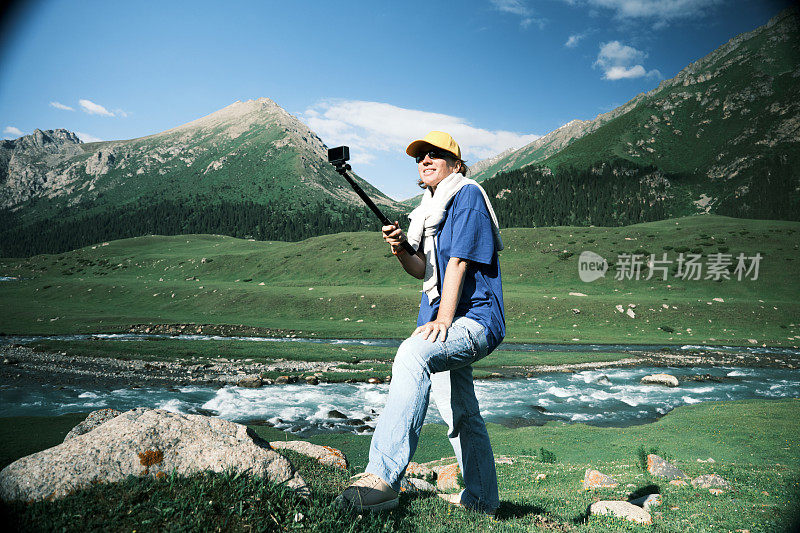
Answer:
(374, 75)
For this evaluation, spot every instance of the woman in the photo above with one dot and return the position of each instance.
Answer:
(461, 320)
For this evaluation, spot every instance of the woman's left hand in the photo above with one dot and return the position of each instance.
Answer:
(436, 327)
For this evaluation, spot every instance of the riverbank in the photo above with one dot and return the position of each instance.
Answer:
(60, 363)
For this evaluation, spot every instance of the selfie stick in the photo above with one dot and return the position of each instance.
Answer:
(338, 158)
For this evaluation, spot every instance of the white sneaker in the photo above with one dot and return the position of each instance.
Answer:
(368, 493)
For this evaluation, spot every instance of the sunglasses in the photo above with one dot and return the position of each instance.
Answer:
(433, 154)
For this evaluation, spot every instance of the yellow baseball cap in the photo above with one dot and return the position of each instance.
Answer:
(439, 139)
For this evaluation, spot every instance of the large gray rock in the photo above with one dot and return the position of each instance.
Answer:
(324, 454)
(621, 509)
(95, 419)
(144, 442)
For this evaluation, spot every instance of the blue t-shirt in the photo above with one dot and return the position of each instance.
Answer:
(466, 232)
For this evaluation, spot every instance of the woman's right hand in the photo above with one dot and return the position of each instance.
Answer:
(414, 264)
(393, 235)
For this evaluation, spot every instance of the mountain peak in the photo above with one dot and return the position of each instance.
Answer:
(242, 113)
(51, 141)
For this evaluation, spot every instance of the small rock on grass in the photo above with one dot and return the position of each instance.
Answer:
(621, 509)
(447, 477)
(709, 481)
(661, 468)
(503, 460)
(417, 470)
(594, 479)
(323, 454)
(645, 502)
(413, 485)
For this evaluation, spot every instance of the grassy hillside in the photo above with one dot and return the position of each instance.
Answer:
(350, 285)
(722, 133)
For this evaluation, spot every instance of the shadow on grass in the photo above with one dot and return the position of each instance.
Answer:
(644, 491)
(511, 510)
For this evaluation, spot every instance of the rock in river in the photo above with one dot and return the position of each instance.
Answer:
(250, 382)
(660, 379)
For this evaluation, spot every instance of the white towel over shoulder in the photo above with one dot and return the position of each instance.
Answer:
(427, 217)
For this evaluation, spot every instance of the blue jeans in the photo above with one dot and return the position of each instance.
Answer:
(418, 365)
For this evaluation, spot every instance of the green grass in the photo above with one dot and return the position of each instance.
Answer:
(761, 464)
(348, 285)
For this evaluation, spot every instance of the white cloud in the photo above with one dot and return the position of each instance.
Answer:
(574, 39)
(87, 137)
(619, 73)
(370, 128)
(660, 11)
(619, 61)
(94, 109)
(526, 22)
(11, 130)
(59, 105)
(615, 52)
(121, 113)
(515, 7)
(520, 9)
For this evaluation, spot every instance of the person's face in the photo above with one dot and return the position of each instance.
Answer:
(434, 166)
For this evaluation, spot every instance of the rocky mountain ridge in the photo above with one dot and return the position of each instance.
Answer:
(249, 170)
(729, 105)
(72, 168)
(26, 163)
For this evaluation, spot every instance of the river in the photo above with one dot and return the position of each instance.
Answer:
(612, 397)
